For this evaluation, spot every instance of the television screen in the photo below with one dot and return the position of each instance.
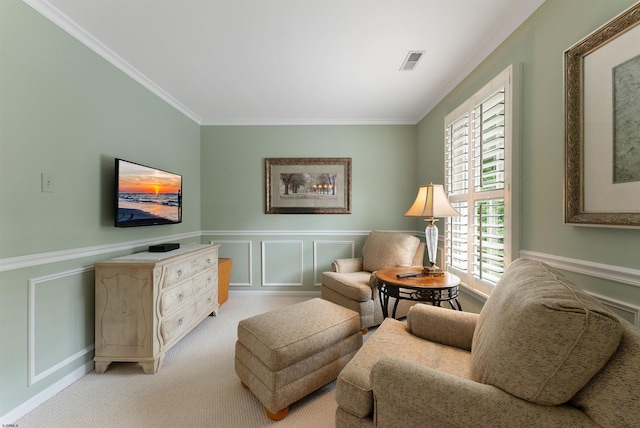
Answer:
(146, 196)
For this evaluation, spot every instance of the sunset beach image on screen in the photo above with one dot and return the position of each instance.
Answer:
(146, 195)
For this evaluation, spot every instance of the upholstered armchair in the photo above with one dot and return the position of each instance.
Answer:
(542, 353)
(351, 283)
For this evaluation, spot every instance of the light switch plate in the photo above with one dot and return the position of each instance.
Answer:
(47, 182)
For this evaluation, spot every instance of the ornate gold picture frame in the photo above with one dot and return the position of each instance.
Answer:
(308, 185)
(598, 133)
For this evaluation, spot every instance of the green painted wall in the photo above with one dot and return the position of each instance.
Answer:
(539, 45)
(233, 199)
(67, 112)
(233, 175)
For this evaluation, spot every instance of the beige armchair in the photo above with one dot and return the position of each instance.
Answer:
(351, 283)
(542, 353)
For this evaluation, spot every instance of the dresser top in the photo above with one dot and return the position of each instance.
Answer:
(147, 256)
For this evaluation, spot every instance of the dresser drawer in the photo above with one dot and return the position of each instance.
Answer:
(175, 326)
(175, 296)
(188, 267)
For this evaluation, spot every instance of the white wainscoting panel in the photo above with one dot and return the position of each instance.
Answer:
(242, 261)
(324, 252)
(34, 377)
(282, 254)
(621, 308)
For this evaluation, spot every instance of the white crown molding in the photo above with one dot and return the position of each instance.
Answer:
(310, 122)
(599, 270)
(53, 14)
(523, 13)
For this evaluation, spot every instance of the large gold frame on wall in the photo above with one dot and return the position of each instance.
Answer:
(574, 83)
(331, 196)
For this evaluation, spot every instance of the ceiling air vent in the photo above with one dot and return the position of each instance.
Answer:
(411, 60)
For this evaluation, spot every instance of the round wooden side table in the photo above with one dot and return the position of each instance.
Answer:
(417, 287)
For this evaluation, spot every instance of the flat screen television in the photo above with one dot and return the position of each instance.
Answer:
(146, 196)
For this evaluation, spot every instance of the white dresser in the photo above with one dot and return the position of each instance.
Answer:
(146, 302)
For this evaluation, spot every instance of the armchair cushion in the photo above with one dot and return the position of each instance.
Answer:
(392, 338)
(441, 325)
(353, 285)
(539, 337)
(387, 249)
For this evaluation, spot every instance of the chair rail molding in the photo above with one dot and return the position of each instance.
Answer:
(19, 262)
(599, 270)
(277, 232)
(617, 274)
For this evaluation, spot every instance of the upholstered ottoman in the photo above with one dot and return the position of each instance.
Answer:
(285, 354)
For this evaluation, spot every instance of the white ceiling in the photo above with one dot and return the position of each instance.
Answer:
(250, 62)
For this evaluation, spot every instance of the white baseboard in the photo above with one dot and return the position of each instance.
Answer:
(285, 293)
(15, 414)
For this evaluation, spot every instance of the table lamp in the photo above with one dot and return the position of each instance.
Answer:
(431, 202)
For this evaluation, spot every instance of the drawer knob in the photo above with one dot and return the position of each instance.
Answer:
(180, 297)
(179, 272)
(180, 321)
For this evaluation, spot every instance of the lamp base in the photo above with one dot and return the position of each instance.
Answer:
(432, 271)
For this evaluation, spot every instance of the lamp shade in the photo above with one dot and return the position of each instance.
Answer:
(431, 201)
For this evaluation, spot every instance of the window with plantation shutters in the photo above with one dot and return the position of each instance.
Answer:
(481, 181)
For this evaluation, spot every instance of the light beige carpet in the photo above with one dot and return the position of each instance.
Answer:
(196, 386)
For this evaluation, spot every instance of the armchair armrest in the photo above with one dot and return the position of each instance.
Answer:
(441, 325)
(412, 395)
(347, 265)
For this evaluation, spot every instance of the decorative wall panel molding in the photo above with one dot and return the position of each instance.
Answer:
(33, 375)
(285, 254)
(241, 265)
(632, 311)
(348, 250)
